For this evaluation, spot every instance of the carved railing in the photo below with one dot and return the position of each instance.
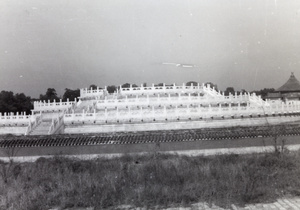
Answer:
(182, 112)
(90, 93)
(160, 89)
(56, 124)
(168, 100)
(43, 106)
(33, 123)
(9, 118)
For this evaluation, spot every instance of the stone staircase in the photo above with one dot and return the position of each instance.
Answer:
(42, 128)
(84, 105)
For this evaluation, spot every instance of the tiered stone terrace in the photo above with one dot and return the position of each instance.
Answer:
(155, 107)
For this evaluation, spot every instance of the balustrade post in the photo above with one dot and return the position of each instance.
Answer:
(129, 112)
(141, 112)
(105, 114)
(153, 112)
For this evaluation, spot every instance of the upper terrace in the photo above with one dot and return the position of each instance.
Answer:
(150, 90)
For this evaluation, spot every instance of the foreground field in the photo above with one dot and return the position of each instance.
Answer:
(149, 181)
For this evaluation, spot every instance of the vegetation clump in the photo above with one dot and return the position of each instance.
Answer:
(150, 181)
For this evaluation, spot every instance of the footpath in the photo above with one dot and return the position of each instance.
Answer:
(280, 204)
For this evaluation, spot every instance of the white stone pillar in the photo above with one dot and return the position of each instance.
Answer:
(153, 112)
(105, 114)
(176, 111)
(129, 112)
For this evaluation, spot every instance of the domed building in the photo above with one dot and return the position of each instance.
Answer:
(289, 91)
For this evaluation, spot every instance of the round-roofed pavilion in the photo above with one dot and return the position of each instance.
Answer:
(292, 85)
(288, 91)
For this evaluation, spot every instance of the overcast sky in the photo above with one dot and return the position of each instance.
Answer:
(247, 44)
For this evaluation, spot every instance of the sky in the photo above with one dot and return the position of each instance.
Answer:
(245, 44)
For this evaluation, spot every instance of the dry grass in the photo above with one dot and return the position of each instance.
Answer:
(150, 180)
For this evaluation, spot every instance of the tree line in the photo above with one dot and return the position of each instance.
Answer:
(19, 102)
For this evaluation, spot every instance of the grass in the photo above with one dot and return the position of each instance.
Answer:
(149, 181)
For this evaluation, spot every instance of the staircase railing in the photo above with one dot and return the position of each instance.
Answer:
(56, 124)
(33, 124)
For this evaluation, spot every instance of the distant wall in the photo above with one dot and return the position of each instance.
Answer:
(100, 128)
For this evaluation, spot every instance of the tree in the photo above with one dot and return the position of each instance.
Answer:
(111, 89)
(14, 103)
(229, 90)
(191, 82)
(23, 103)
(264, 92)
(71, 94)
(243, 91)
(7, 102)
(126, 85)
(159, 85)
(93, 87)
(50, 95)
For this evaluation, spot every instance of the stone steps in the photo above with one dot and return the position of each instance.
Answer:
(83, 106)
(42, 128)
